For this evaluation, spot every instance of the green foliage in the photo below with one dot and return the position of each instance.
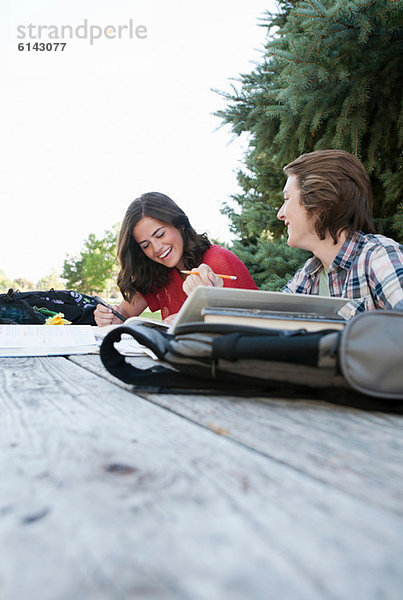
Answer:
(271, 263)
(5, 282)
(52, 280)
(94, 271)
(330, 77)
(21, 283)
(73, 273)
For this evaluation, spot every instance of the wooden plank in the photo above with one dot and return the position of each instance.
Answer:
(105, 495)
(359, 452)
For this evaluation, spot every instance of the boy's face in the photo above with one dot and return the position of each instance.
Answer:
(301, 233)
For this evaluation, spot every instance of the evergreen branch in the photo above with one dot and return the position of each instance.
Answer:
(347, 25)
(312, 49)
(342, 126)
(364, 5)
(306, 14)
(336, 12)
(362, 23)
(284, 58)
(339, 58)
(317, 9)
(290, 70)
(296, 61)
(295, 49)
(382, 12)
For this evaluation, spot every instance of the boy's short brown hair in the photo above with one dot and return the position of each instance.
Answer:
(335, 191)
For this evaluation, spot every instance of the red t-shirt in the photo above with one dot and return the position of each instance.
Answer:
(170, 298)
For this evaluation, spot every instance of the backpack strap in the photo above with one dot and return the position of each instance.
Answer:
(160, 378)
(154, 378)
(297, 347)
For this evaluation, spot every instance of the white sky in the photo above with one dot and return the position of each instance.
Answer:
(85, 131)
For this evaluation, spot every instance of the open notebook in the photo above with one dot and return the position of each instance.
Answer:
(47, 340)
(62, 340)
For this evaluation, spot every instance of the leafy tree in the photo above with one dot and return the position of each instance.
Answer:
(52, 280)
(5, 282)
(25, 285)
(94, 271)
(330, 77)
(22, 284)
(73, 272)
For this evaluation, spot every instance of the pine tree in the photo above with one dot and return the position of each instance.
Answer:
(330, 77)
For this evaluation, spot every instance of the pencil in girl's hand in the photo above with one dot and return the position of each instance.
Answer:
(115, 312)
(233, 277)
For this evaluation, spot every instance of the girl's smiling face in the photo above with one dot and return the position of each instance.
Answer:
(160, 242)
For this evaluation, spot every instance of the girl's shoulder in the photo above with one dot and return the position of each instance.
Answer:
(224, 261)
(217, 251)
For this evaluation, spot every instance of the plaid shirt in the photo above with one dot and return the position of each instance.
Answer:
(368, 269)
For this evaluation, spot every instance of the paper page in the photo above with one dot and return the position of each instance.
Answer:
(127, 346)
(46, 340)
(146, 321)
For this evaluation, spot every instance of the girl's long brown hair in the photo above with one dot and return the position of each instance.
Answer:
(138, 273)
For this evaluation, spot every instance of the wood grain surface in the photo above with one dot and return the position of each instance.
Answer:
(108, 495)
(360, 452)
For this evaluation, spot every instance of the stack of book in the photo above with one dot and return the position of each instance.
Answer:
(260, 309)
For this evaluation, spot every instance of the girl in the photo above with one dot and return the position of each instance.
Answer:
(157, 242)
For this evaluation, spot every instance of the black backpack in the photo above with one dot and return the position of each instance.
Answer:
(33, 308)
(361, 365)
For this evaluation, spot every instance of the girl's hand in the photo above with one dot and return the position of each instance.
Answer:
(206, 276)
(103, 316)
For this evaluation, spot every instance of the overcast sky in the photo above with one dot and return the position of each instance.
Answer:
(85, 131)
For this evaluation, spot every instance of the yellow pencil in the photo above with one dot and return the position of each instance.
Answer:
(233, 277)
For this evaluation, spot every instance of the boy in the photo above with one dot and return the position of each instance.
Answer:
(328, 210)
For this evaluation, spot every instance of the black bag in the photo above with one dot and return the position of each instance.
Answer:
(359, 366)
(34, 307)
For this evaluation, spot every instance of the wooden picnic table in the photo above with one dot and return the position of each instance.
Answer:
(106, 493)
